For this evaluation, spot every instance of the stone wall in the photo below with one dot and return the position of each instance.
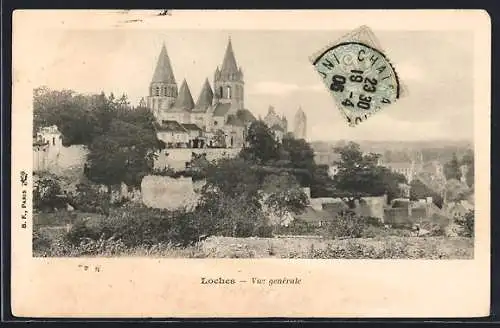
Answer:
(397, 216)
(168, 193)
(176, 158)
(57, 159)
(372, 206)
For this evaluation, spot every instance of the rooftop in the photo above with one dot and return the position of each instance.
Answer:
(163, 72)
(170, 126)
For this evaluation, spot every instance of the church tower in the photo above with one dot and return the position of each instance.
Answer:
(300, 128)
(228, 82)
(163, 88)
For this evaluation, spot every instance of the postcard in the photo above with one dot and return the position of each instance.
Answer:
(246, 163)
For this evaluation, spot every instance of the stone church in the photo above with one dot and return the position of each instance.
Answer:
(217, 119)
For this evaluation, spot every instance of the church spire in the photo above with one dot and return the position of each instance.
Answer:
(163, 72)
(184, 99)
(300, 113)
(206, 96)
(229, 65)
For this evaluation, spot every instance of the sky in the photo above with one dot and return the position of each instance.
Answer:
(435, 67)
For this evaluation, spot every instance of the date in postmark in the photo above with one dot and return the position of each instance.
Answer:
(359, 76)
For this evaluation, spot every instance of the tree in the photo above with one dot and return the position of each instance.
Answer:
(262, 146)
(283, 195)
(456, 191)
(125, 153)
(230, 200)
(298, 154)
(69, 111)
(419, 190)
(46, 192)
(360, 176)
(452, 169)
(321, 184)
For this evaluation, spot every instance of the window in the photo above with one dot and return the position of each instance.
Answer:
(157, 91)
(229, 93)
(220, 92)
(215, 122)
(53, 141)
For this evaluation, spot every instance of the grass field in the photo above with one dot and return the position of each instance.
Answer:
(299, 248)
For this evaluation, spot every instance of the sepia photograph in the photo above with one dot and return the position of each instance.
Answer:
(251, 159)
(205, 144)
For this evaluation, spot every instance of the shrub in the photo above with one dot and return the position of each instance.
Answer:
(47, 192)
(88, 198)
(467, 224)
(346, 224)
(81, 230)
(138, 225)
(41, 242)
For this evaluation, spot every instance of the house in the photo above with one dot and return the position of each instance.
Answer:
(172, 133)
(195, 133)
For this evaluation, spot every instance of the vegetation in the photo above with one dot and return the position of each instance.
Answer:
(419, 190)
(47, 192)
(236, 200)
(358, 176)
(121, 140)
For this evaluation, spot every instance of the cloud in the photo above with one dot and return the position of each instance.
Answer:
(279, 88)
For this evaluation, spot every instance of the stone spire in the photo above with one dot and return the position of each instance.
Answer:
(163, 72)
(206, 96)
(300, 124)
(300, 113)
(184, 99)
(229, 65)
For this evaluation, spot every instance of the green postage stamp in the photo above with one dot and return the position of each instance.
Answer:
(358, 74)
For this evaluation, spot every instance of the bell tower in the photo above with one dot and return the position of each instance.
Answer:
(163, 88)
(228, 81)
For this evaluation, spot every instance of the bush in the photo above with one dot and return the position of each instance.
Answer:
(467, 224)
(298, 227)
(346, 224)
(88, 198)
(47, 192)
(79, 231)
(138, 225)
(41, 242)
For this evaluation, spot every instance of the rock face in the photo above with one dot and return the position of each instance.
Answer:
(168, 193)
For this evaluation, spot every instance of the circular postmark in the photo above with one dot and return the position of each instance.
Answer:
(360, 77)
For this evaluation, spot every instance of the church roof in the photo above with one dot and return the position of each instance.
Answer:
(184, 99)
(163, 72)
(191, 127)
(300, 113)
(222, 109)
(205, 98)
(229, 65)
(170, 126)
